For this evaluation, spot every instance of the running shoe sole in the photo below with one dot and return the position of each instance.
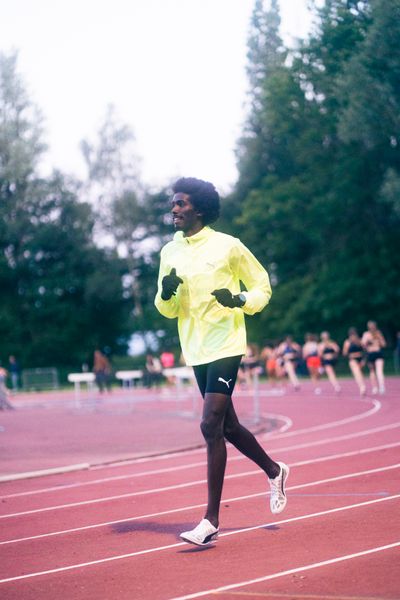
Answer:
(285, 474)
(206, 542)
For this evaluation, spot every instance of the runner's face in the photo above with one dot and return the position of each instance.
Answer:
(184, 215)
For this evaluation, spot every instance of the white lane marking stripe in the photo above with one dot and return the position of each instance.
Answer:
(193, 506)
(178, 544)
(346, 454)
(188, 484)
(324, 563)
(288, 424)
(236, 458)
(153, 490)
(69, 486)
(377, 405)
(341, 438)
(159, 514)
(293, 487)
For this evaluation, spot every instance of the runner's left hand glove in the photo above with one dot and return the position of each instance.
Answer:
(170, 284)
(226, 298)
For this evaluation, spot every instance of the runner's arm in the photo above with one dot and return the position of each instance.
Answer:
(251, 272)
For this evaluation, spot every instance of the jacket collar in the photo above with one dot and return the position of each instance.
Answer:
(201, 236)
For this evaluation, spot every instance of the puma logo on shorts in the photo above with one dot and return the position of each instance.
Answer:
(226, 382)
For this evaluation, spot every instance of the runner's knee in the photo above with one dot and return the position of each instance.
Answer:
(212, 428)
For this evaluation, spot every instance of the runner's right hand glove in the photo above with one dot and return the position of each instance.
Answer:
(170, 284)
(226, 298)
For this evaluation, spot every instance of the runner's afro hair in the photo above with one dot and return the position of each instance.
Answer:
(203, 196)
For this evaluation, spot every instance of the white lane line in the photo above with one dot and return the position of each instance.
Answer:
(288, 423)
(69, 486)
(323, 563)
(246, 497)
(377, 405)
(201, 463)
(140, 493)
(44, 472)
(193, 506)
(312, 461)
(145, 459)
(178, 544)
(341, 438)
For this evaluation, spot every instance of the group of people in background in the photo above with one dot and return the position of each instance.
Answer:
(284, 360)
(319, 355)
(153, 369)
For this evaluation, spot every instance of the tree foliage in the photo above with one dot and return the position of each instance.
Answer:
(319, 170)
(61, 295)
(317, 199)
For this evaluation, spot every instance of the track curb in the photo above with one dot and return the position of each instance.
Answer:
(44, 472)
(105, 462)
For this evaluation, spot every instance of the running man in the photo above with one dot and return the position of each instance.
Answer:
(199, 284)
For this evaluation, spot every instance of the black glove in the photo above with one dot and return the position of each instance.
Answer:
(226, 298)
(169, 284)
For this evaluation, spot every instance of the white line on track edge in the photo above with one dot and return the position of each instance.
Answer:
(323, 563)
(191, 507)
(197, 464)
(179, 544)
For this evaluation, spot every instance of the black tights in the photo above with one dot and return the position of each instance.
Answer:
(220, 422)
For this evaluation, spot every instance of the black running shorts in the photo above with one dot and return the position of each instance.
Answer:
(372, 357)
(218, 377)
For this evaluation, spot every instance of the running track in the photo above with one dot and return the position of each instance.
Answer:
(111, 532)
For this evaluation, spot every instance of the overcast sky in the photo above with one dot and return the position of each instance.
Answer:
(174, 69)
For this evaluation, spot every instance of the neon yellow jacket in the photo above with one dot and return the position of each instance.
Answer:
(207, 261)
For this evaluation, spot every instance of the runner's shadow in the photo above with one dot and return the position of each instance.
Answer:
(266, 528)
(192, 549)
(168, 528)
(150, 526)
(154, 527)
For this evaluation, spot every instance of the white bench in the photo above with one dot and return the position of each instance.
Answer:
(129, 377)
(181, 373)
(77, 379)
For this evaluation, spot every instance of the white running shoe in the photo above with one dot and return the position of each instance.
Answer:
(202, 535)
(278, 494)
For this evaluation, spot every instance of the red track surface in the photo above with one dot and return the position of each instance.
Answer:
(112, 532)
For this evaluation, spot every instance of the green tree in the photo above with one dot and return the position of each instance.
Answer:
(321, 212)
(112, 168)
(60, 294)
(266, 58)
